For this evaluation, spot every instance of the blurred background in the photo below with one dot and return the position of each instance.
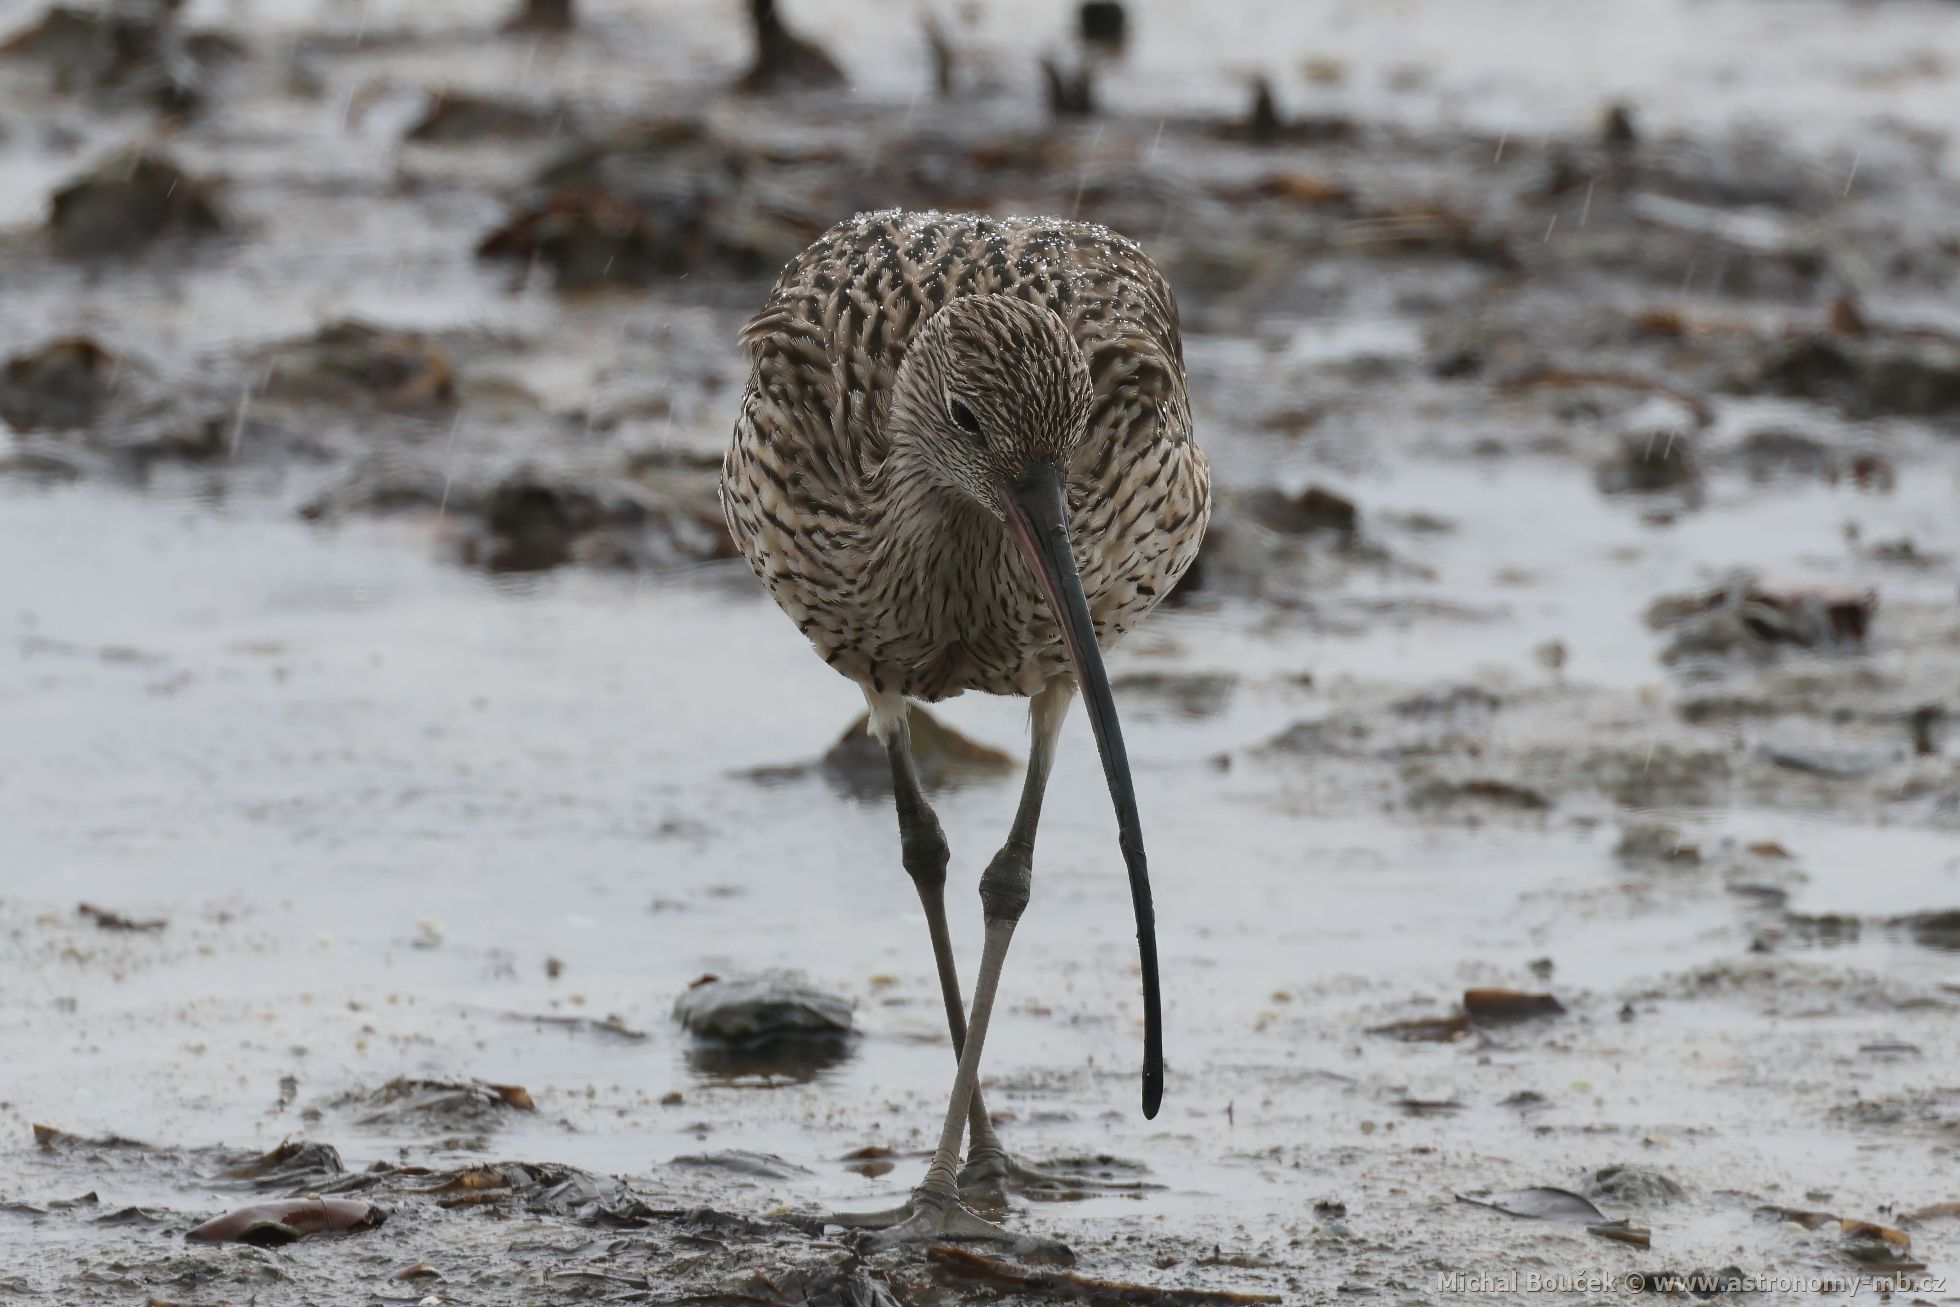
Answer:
(389, 735)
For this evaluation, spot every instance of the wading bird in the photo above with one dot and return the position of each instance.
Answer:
(964, 462)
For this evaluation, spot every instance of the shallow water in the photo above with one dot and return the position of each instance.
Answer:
(373, 792)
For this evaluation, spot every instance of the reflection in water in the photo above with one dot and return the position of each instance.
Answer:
(765, 1064)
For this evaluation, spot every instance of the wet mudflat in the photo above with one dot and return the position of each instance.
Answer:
(1550, 770)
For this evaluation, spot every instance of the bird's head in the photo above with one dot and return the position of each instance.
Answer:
(992, 400)
(992, 388)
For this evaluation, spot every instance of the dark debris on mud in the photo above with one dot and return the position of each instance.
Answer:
(502, 1232)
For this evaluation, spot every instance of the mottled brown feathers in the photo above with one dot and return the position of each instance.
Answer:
(899, 580)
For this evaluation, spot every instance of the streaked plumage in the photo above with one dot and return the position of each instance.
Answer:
(964, 462)
(901, 585)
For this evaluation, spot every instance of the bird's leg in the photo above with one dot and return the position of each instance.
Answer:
(935, 1211)
(990, 1170)
(923, 847)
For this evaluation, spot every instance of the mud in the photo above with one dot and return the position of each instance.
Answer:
(1548, 767)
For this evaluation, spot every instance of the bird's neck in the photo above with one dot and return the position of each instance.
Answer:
(932, 533)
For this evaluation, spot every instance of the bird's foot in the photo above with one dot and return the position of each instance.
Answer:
(991, 1174)
(934, 1215)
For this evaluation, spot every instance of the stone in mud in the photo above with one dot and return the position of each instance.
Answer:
(1437, 794)
(858, 765)
(293, 1164)
(742, 1162)
(385, 482)
(1326, 737)
(1103, 22)
(1650, 462)
(532, 520)
(1869, 376)
(656, 199)
(783, 60)
(437, 1104)
(1181, 694)
(65, 383)
(354, 365)
(591, 238)
(542, 18)
(1463, 706)
(1500, 1007)
(128, 203)
(1313, 509)
(457, 116)
(767, 1006)
(1773, 453)
(110, 919)
(532, 523)
(1634, 1185)
(1652, 843)
(1935, 930)
(128, 52)
(1747, 617)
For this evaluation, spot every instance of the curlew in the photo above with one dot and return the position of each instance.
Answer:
(964, 462)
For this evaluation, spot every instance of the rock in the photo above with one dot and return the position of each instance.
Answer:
(944, 758)
(1327, 737)
(437, 1104)
(542, 18)
(1437, 793)
(653, 200)
(127, 52)
(783, 60)
(1103, 22)
(1503, 1007)
(742, 1162)
(1181, 694)
(1651, 843)
(65, 383)
(1935, 930)
(128, 203)
(354, 365)
(1745, 616)
(1650, 462)
(761, 1008)
(533, 522)
(1634, 1185)
(589, 238)
(384, 482)
(455, 116)
(293, 1164)
(1869, 376)
(1453, 703)
(1775, 452)
(1313, 509)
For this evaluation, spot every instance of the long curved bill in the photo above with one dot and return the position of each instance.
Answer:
(1037, 513)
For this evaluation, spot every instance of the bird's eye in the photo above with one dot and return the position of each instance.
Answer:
(963, 418)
